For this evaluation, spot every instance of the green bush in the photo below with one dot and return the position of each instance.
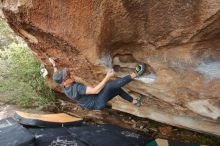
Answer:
(20, 78)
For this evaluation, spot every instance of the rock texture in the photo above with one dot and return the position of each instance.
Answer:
(178, 39)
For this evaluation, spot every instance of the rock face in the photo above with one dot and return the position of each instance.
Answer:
(179, 40)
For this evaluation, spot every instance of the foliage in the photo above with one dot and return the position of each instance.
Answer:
(20, 76)
(6, 36)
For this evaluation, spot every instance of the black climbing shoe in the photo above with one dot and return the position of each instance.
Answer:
(139, 70)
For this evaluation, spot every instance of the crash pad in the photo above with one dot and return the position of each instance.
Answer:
(108, 135)
(54, 137)
(46, 120)
(13, 134)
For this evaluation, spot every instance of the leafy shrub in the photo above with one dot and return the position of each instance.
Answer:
(20, 78)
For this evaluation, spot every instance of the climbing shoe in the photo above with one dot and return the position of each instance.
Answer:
(139, 70)
(139, 101)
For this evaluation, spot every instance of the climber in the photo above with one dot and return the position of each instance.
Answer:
(98, 96)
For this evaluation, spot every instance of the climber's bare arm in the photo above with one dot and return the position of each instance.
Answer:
(99, 87)
(54, 69)
(54, 65)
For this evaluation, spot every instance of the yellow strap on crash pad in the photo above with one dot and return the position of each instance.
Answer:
(59, 118)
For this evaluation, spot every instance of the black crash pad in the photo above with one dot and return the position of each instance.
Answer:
(13, 134)
(54, 137)
(108, 135)
(99, 135)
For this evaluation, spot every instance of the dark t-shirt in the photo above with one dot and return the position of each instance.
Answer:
(77, 92)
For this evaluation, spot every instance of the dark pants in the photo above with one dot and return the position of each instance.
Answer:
(112, 89)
